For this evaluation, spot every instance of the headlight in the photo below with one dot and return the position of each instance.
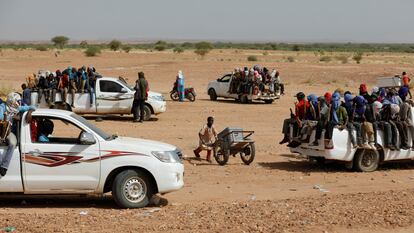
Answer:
(158, 97)
(167, 156)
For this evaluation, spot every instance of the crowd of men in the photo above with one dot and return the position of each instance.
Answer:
(251, 81)
(386, 109)
(70, 80)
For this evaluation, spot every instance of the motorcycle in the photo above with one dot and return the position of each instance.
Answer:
(189, 94)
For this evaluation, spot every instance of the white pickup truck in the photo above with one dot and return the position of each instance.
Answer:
(82, 159)
(112, 96)
(365, 160)
(221, 86)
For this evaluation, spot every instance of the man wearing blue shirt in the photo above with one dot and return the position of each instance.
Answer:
(10, 111)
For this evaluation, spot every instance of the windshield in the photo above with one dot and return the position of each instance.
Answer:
(92, 127)
(122, 80)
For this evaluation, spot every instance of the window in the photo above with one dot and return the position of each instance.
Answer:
(110, 86)
(53, 130)
(225, 79)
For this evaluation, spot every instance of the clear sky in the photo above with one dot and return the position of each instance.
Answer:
(234, 20)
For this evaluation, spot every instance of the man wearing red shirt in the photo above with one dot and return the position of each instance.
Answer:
(296, 119)
(406, 82)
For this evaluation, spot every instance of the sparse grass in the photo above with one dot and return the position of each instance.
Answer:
(252, 58)
(325, 59)
(41, 48)
(357, 57)
(126, 48)
(265, 53)
(342, 58)
(290, 59)
(178, 50)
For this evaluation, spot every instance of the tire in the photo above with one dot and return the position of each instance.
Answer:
(213, 95)
(122, 191)
(244, 99)
(268, 101)
(366, 160)
(248, 154)
(174, 96)
(147, 113)
(221, 156)
(191, 97)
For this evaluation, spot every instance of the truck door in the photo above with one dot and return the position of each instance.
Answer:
(113, 98)
(62, 164)
(224, 85)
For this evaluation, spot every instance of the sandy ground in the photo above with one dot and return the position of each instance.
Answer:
(276, 193)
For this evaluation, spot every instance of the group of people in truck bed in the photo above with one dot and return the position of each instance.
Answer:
(386, 109)
(251, 81)
(71, 80)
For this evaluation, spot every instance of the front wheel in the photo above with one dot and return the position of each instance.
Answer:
(268, 101)
(220, 155)
(191, 97)
(248, 153)
(174, 96)
(366, 160)
(131, 189)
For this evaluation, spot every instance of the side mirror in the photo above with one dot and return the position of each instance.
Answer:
(124, 90)
(87, 139)
(218, 80)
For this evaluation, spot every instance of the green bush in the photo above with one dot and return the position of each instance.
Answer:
(295, 48)
(126, 48)
(202, 48)
(115, 45)
(357, 57)
(252, 58)
(60, 41)
(92, 51)
(325, 59)
(41, 48)
(178, 50)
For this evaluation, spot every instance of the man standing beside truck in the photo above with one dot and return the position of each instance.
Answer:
(140, 96)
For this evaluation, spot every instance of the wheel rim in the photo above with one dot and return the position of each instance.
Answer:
(174, 96)
(134, 189)
(368, 159)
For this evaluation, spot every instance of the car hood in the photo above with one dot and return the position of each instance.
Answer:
(143, 145)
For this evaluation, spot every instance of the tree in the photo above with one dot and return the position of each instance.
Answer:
(115, 45)
(83, 44)
(60, 41)
(202, 48)
(92, 51)
(357, 57)
(295, 48)
(160, 45)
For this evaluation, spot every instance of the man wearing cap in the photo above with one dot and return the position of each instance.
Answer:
(296, 119)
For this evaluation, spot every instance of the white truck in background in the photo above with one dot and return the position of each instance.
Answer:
(112, 96)
(79, 158)
(360, 159)
(221, 86)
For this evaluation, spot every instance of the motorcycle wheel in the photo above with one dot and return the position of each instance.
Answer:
(191, 97)
(174, 96)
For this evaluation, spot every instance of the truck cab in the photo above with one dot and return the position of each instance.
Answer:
(80, 158)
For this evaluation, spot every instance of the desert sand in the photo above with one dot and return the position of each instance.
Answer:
(276, 193)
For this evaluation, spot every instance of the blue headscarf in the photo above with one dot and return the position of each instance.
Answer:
(360, 107)
(403, 92)
(335, 103)
(313, 99)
